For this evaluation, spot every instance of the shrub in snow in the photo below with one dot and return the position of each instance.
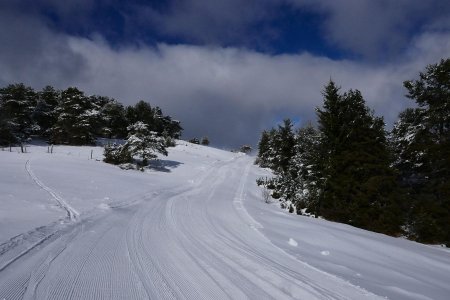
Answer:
(245, 149)
(205, 141)
(194, 141)
(116, 154)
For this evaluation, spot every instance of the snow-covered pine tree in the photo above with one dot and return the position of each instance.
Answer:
(116, 154)
(76, 119)
(44, 114)
(304, 169)
(154, 118)
(113, 120)
(284, 145)
(143, 143)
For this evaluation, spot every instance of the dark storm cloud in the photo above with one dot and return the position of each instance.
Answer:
(204, 21)
(31, 53)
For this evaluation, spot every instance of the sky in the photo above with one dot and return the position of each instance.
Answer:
(227, 69)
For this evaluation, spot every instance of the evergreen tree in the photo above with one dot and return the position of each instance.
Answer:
(44, 114)
(143, 143)
(154, 118)
(17, 103)
(263, 150)
(113, 120)
(422, 142)
(116, 154)
(304, 171)
(358, 184)
(76, 119)
(282, 146)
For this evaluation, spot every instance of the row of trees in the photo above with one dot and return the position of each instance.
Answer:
(71, 117)
(350, 170)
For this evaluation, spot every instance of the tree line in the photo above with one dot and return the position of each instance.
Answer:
(70, 117)
(349, 169)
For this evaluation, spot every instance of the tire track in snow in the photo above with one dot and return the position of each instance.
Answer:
(72, 214)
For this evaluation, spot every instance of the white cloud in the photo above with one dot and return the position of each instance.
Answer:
(236, 92)
(229, 94)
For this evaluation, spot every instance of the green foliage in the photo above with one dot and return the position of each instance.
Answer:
(143, 143)
(155, 120)
(70, 117)
(245, 149)
(45, 114)
(275, 148)
(116, 154)
(421, 141)
(17, 103)
(113, 120)
(341, 170)
(76, 118)
(359, 187)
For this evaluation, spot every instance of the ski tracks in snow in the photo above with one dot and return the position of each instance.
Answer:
(72, 214)
(194, 241)
(22, 244)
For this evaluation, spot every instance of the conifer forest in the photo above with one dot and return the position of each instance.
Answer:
(350, 169)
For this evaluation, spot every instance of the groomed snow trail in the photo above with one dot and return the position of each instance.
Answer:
(192, 241)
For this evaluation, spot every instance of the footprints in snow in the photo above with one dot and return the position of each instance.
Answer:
(294, 243)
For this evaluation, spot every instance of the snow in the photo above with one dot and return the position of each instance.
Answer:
(192, 226)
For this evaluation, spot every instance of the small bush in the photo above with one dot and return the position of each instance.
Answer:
(116, 154)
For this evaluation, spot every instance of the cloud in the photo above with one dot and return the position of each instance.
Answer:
(204, 21)
(377, 29)
(30, 51)
(229, 94)
(232, 94)
(372, 29)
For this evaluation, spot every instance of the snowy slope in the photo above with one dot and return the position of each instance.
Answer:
(192, 227)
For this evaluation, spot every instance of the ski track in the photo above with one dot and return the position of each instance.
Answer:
(194, 241)
(71, 212)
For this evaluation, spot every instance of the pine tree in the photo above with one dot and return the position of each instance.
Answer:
(154, 118)
(422, 142)
(304, 170)
(283, 144)
(113, 120)
(263, 150)
(44, 114)
(17, 103)
(76, 119)
(358, 184)
(143, 143)
(116, 154)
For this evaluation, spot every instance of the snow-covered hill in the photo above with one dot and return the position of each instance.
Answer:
(194, 226)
